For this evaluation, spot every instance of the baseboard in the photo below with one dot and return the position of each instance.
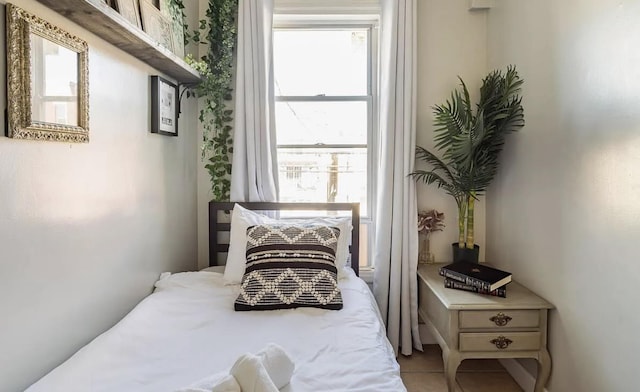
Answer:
(526, 381)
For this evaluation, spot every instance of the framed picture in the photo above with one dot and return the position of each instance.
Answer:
(157, 25)
(177, 26)
(164, 107)
(129, 10)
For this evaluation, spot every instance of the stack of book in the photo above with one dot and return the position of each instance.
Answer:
(477, 278)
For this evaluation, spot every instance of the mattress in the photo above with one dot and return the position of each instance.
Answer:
(188, 330)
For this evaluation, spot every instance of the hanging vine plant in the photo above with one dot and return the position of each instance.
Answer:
(218, 30)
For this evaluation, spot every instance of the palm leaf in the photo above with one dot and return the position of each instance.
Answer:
(447, 121)
(440, 174)
(431, 159)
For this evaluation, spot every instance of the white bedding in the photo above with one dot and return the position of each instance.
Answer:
(187, 330)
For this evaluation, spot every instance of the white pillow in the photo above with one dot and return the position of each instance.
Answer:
(242, 218)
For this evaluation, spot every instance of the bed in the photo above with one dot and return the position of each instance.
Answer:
(188, 329)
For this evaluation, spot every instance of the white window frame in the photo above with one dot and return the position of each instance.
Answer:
(371, 25)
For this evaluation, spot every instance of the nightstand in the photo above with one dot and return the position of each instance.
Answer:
(468, 325)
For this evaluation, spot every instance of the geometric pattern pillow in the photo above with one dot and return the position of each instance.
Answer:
(290, 266)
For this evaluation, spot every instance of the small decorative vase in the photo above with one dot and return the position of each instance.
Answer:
(425, 256)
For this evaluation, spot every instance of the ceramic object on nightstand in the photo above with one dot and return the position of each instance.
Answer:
(465, 254)
(425, 256)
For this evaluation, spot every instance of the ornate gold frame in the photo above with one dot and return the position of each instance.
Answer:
(20, 24)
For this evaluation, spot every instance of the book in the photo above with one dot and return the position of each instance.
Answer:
(454, 284)
(476, 275)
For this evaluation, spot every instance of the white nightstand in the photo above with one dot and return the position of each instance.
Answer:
(469, 325)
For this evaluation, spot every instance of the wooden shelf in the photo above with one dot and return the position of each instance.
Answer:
(108, 24)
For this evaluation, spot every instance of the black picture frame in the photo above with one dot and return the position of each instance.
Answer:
(164, 106)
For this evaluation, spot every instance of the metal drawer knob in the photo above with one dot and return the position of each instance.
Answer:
(501, 319)
(501, 342)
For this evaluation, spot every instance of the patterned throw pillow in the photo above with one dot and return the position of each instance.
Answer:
(289, 267)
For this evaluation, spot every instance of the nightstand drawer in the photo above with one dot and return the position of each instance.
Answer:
(499, 319)
(510, 341)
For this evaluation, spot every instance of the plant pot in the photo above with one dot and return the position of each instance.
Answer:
(464, 254)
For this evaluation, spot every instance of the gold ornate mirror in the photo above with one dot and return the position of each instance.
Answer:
(48, 80)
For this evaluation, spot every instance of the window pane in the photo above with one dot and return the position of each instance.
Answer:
(323, 175)
(321, 122)
(329, 62)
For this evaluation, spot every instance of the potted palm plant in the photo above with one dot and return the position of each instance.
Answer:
(469, 144)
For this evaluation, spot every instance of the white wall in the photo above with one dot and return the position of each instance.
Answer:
(564, 213)
(85, 229)
(452, 41)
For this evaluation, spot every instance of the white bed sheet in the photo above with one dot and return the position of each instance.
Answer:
(187, 330)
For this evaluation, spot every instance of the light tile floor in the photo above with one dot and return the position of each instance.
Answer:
(423, 372)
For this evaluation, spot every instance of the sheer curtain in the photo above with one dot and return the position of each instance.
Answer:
(396, 244)
(254, 175)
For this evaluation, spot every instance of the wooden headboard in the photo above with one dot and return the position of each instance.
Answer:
(217, 245)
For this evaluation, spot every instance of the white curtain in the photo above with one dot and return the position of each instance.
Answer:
(396, 244)
(254, 171)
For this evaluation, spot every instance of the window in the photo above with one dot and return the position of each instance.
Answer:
(325, 114)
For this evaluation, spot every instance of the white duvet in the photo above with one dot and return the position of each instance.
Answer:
(187, 330)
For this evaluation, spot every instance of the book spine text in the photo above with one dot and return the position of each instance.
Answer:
(453, 284)
(481, 284)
